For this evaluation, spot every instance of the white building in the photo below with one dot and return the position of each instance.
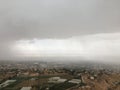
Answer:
(92, 78)
(6, 83)
(76, 81)
(56, 80)
(26, 88)
(61, 80)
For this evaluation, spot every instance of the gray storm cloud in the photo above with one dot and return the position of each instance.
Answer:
(57, 18)
(47, 20)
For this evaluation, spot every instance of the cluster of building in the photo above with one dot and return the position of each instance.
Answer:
(82, 77)
(60, 80)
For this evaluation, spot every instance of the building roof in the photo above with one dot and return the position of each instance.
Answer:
(26, 88)
(6, 83)
(76, 81)
(56, 80)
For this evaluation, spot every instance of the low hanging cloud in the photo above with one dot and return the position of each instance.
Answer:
(95, 46)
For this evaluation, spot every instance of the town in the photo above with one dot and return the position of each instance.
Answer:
(40, 75)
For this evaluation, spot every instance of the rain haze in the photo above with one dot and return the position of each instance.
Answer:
(82, 29)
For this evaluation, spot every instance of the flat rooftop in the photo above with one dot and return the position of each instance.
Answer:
(26, 88)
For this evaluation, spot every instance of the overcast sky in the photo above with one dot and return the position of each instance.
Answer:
(37, 28)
